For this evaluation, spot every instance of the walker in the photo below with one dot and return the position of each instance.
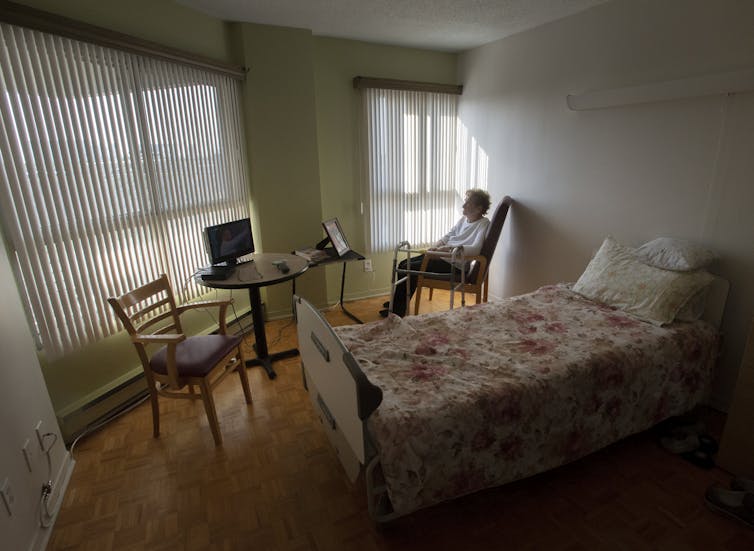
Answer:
(400, 275)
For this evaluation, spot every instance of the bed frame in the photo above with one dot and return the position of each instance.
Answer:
(343, 397)
(340, 392)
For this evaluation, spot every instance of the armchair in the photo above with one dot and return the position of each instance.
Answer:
(478, 279)
(151, 317)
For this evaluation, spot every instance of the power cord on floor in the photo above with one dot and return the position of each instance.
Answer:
(280, 331)
(236, 316)
(93, 428)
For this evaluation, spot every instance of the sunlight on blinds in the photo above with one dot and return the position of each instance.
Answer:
(112, 164)
(419, 164)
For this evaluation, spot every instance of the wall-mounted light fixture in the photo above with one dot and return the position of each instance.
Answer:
(706, 85)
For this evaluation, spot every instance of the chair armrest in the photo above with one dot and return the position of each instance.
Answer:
(447, 255)
(223, 304)
(482, 266)
(478, 258)
(202, 304)
(168, 338)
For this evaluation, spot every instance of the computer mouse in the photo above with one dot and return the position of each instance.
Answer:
(282, 265)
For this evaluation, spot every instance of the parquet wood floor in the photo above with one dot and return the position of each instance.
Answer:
(277, 484)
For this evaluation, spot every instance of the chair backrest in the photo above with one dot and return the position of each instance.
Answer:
(149, 310)
(493, 234)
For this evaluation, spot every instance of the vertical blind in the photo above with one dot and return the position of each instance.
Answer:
(411, 157)
(111, 166)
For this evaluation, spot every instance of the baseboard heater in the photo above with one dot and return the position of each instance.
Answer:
(102, 408)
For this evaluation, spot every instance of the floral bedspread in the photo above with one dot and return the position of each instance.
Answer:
(487, 394)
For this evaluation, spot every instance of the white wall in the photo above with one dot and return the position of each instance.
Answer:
(23, 402)
(681, 168)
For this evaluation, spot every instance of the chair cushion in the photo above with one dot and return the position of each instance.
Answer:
(196, 356)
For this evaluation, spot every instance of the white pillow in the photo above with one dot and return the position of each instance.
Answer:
(669, 253)
(694, 307)
(616, 277)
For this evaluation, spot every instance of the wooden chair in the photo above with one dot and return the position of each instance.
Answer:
(477, 281)
(151, 317)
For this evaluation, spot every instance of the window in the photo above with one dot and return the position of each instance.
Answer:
(415, 158)
(111, 165)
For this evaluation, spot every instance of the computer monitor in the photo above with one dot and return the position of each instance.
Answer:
(336, 235)
(227, 242)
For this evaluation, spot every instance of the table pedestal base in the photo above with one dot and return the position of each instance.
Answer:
(266, 361)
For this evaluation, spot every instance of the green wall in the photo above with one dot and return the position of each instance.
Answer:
(282, 149)
(301, 114)
(337, 62)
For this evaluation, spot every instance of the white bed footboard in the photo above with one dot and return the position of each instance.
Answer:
(341, 394)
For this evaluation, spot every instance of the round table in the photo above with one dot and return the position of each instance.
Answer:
(261, 271)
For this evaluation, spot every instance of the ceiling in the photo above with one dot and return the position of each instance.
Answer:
(445, 25)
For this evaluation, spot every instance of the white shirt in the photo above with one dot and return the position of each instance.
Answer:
(469, 235)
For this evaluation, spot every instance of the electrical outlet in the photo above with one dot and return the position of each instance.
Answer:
(368, 265)
(40, 438)
(7, 494)
(29, 456)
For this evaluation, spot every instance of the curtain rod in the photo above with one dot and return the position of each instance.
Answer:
(24, 16)
(392, 84)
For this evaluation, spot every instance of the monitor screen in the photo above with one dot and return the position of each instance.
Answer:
(226, 242)
(337, 238)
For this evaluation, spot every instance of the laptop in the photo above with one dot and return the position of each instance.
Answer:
(338, 239)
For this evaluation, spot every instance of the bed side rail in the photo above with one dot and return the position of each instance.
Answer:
(339, 390)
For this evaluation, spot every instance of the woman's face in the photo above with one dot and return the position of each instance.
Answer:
(471, 209)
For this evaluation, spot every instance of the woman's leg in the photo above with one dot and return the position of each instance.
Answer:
(440, 266)
(400, 302)
(436, 265)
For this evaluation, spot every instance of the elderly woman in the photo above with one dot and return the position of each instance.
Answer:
(469, 233)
